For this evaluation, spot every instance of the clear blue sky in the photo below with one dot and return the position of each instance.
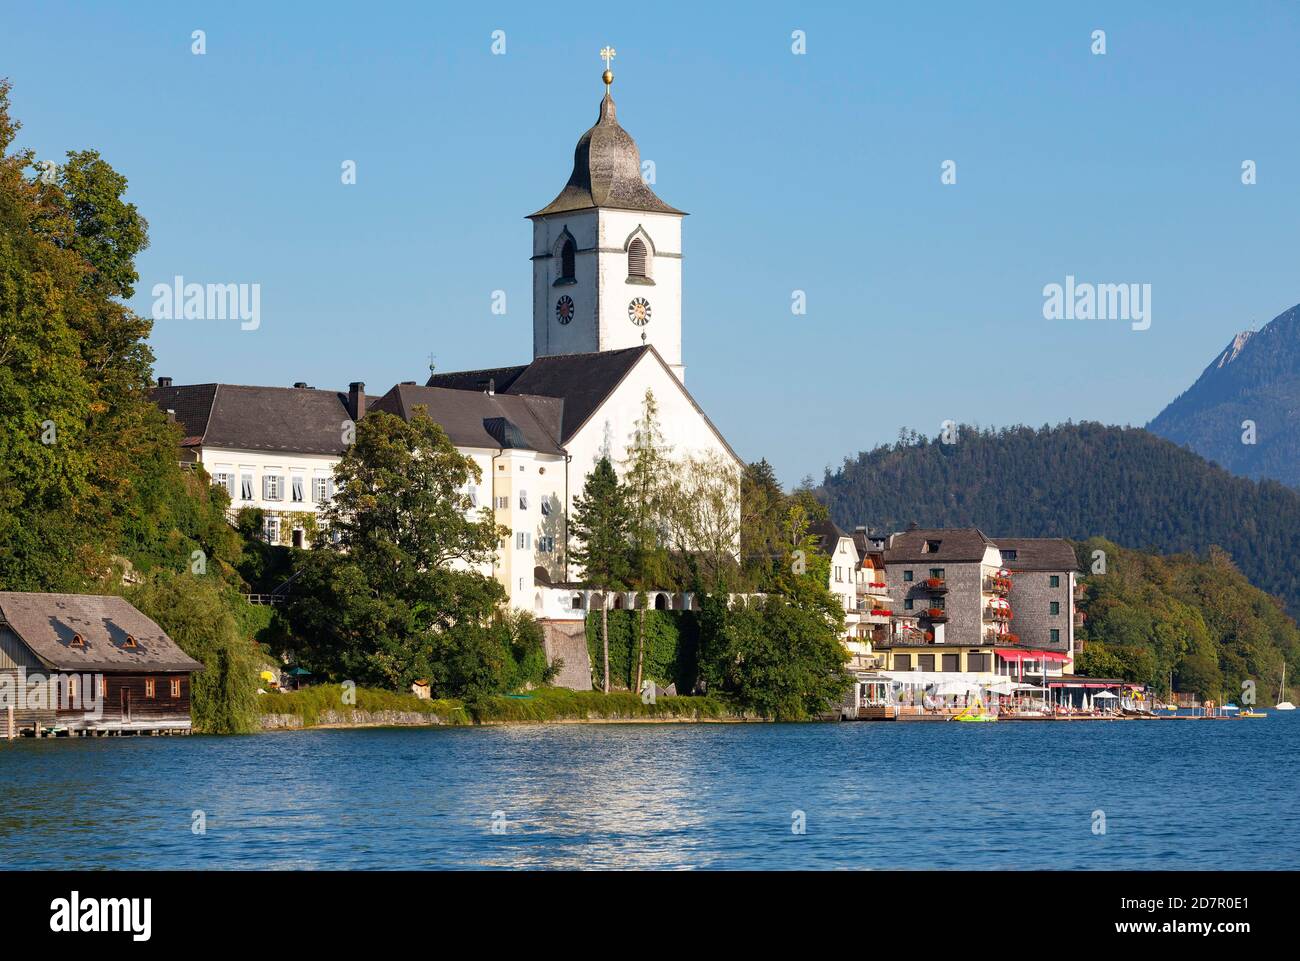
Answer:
(818, 172)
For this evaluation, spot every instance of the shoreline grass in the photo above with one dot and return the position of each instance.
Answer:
(539, 706)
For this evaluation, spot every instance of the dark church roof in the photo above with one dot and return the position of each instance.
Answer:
(48, 624)
(291, 419)
(473, 418)
(606, 172)
(581, 381)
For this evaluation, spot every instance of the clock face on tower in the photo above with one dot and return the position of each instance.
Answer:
(639, 311)
(564, 309)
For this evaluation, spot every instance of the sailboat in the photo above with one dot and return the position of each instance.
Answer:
(1281, 692)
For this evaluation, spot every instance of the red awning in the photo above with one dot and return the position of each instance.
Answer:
(1009, 655)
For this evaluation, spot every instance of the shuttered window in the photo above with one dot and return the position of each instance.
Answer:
(636, 258)
(296, 489)
(567, 251)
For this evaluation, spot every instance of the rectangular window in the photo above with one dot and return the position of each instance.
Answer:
(1055, 608)
(246, 487)
(1055, 580)
(936, 572)
(272, 487)
(226, 481)
(1056, 635)
(839, 575)
(471, 491)
(296, 490)
(503, 503)
(907, 577)
(931, 547)
(523, 500)
(902, 662)
(271, 529)
(1008, 555)
(546, 507)
(320, 489)
(546, 545)
(176, 687)
(909, 603)
(149, 687)
(523, 540)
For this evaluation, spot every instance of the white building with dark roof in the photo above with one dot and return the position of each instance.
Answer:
(606, 260)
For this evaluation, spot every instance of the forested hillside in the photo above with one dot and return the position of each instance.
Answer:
(1077, 481)
(1196, 618)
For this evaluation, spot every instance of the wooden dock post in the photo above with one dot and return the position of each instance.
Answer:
(12, 731)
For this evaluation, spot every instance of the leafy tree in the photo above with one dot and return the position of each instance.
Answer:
(599, 525)
(89, 477)
(394, 592)
(702, 518)
(197, 613)
(780, 655)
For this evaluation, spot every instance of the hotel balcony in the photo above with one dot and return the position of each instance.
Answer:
(935, 585)
(1079, 618)
(1000, 586)
(937, 615)
(998, 613)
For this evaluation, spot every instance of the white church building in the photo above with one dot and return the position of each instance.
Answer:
(607, 327)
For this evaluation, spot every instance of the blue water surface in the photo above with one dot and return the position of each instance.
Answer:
(1173, 794)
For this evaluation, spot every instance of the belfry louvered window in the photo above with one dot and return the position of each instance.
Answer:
(636, 258)
(567, 252)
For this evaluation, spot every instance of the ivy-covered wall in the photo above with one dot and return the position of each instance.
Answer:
(671, 648)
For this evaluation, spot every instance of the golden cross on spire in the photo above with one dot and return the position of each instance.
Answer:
(607, 54)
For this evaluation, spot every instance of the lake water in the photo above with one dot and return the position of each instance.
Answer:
(1174, 794)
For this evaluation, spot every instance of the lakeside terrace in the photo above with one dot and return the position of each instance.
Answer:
(917, 678)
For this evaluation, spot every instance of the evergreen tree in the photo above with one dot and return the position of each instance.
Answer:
(599, 525)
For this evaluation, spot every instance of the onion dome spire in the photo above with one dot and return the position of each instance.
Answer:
(606, 166)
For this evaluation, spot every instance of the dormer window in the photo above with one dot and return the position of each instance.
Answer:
(568, 253)
(636, 258)
(77, 641)
(931, 547)
(130, 643)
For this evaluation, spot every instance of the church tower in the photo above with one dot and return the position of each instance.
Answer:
(607, 253)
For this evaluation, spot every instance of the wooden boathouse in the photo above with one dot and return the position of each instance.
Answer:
(85, 664)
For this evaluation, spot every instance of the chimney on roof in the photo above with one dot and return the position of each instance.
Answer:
(300, 384)
(492, 387)
(171, 415)
(357, 400)
(860, 529)
(164, 381)
(407, 383)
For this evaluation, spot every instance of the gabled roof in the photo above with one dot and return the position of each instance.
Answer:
(606, 172)
(582, 381)
(478, 419)
(1039, 553)
(290, 419)
(828, 535)
(48, 624)
(954, 544)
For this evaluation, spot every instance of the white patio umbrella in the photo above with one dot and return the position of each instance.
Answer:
(1105, 694)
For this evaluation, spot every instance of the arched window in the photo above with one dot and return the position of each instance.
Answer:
(636, 258)
(567, 251)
